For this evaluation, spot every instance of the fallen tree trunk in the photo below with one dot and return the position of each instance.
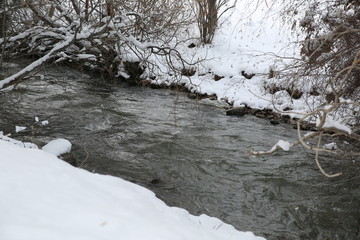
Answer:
(9, 82)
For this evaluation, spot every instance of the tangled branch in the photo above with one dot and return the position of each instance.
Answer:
(328, 122)
(98, 35)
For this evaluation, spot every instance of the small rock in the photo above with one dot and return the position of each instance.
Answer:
(274, 122)
(241, 111)
(286, 118)
(192, 95)
(155, 181)
(155, 86)
(217, 77)
(145, 83)
(246, 75)
(260, 114)
(213, 97)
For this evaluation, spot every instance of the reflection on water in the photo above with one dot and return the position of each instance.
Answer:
(191, 155)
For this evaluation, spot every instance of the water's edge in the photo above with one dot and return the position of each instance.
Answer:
(190, 154)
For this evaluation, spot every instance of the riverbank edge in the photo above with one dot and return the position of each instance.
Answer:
(268, 114)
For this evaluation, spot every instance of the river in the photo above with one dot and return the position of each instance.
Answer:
(190, 154)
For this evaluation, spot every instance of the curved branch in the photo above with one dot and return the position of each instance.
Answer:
(318, 163)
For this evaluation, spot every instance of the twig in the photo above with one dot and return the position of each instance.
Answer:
(86, 158)
(318, 163)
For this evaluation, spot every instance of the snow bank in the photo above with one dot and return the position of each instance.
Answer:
(253, 40)
(43, 197)
(17, 142)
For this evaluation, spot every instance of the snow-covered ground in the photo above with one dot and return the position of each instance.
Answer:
(253, 38)
(43, 197)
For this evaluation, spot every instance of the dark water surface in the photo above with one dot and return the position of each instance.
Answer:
(191, 155)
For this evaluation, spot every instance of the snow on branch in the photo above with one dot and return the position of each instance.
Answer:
(20, 75)
(280, 145)
(326, 126)
(334, 118)
(107, 37)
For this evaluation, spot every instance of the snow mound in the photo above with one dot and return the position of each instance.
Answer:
(43, 197)
(58, 147)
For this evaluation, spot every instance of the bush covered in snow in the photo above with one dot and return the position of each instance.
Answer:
(96, 35)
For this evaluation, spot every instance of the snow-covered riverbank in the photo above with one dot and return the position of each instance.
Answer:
(42, 197)
(245, 67)
(253, 43)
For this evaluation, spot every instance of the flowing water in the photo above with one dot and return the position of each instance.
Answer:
(190, 154)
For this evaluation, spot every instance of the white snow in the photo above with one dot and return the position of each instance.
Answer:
(284, 145)
(58, 147)
(330, 122)
(19, 128)
(330, 146)
(17, 142)
(253, 38)
(44, 198)
(90, 57)
(36, 63)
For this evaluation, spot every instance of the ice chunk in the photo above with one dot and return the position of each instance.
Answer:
(19, 128)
